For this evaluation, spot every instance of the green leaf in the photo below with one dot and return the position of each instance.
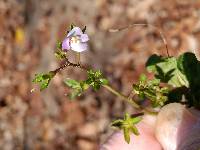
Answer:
(78, 87)
(143, 78)
(103, 81)
(126, 116)
(154, 82)
(134, 130)
(166, 69)
(126, 134)
(44, 84)
(95, 79)
(84, 85)
(117, 123)
(190, 66)
(152, 61)
(59, 45)
(96, 86)
(43, 79)
(38, 78)
(74, 94)
(72, 83)
(136, 120)
(97, 74)
(150, 89)
(60, 55)
(181, 73)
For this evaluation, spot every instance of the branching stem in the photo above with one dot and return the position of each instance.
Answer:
(107, 87)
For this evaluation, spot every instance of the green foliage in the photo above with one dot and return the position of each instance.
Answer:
(190, 66)
(151, 89)
(77, 87)
(183, 73)
(127, 125)
(166, 69)
(43, 79)
(60, 54)
(59, 45)
(95, 79)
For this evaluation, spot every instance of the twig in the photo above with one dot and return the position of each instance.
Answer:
(68, 64)
(145, 25)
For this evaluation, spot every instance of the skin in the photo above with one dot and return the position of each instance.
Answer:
(175, 128)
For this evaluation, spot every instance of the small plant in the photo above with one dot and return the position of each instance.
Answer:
(174, 78)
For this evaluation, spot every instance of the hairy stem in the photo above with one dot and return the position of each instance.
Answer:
(123, 97)
(129, 100)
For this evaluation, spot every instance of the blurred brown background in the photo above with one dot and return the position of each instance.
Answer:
(29, 30)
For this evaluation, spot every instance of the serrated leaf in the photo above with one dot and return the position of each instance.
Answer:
(38, 78)
(152, 61)
(166, 70)
(43, 79)
(44, 84)
(72, 83)
(95, 79)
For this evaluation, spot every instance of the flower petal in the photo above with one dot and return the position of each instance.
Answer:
(84, 38)
(74, 32)
(65, 44)
(79, 47)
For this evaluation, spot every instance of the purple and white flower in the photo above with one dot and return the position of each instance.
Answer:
(76, 40)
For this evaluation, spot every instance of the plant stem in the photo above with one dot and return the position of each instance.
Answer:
(108, 87)
(68, 64)
(129, 100)
(123, 97)
(78, 55)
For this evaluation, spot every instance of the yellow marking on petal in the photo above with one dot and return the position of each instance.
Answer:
(75, 39)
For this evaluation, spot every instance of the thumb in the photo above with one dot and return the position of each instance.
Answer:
(177, 128)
